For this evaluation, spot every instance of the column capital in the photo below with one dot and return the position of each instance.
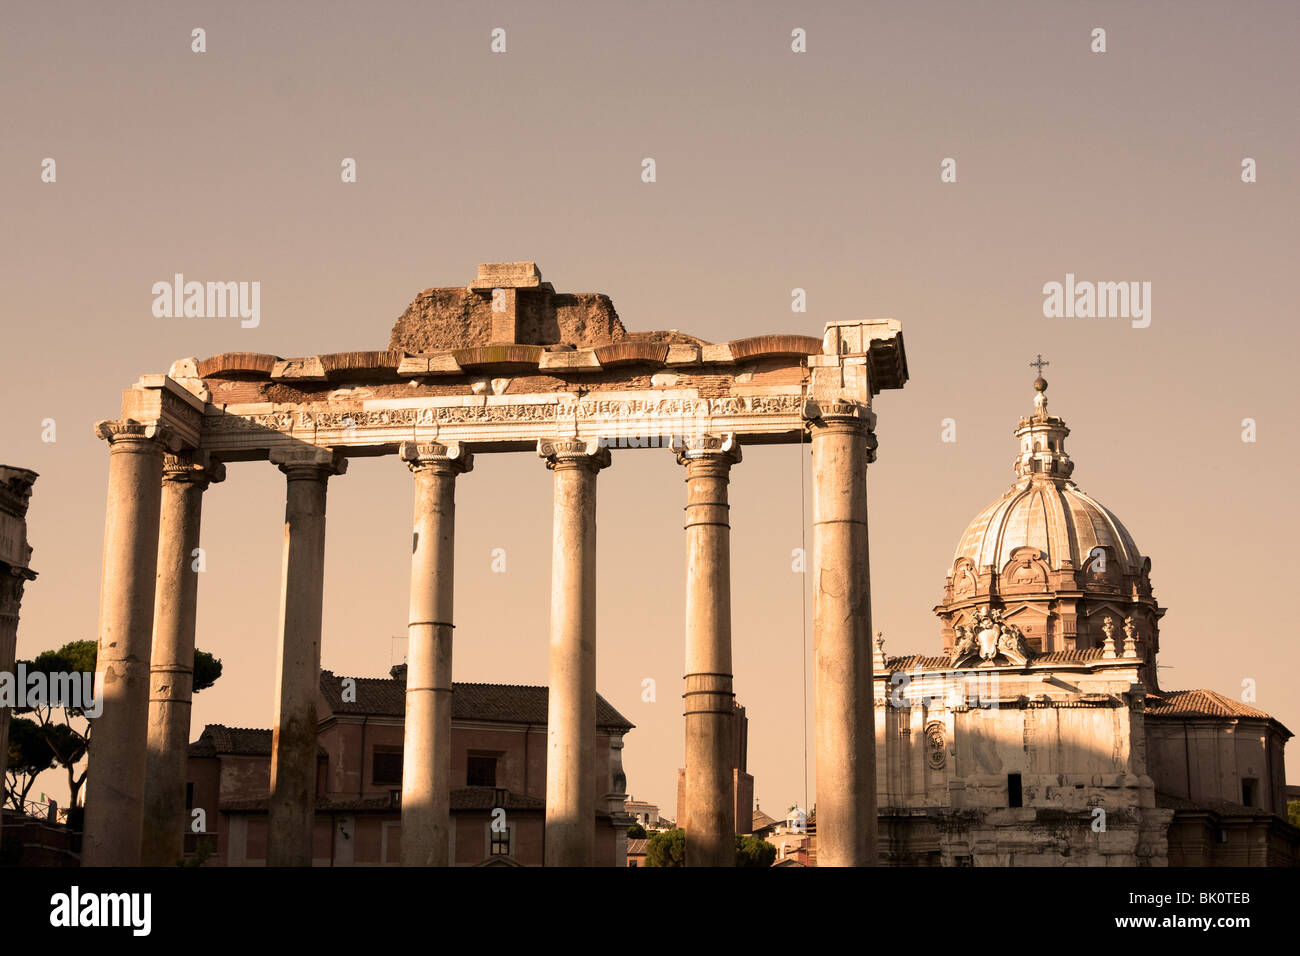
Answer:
(127, 434)
(723, 449)
(563, 453)
(12, 581)
(841, 416)
(451, 458)
(311, 462)
(196, 468)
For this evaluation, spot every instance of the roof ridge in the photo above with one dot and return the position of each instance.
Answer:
(258, 730)
(475, 683)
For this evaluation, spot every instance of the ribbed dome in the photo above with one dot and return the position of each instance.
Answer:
(1053, 516)
(1052, 559)
(1045, 510)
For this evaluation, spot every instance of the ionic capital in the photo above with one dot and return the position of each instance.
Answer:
(196, 468)
(839, 416)
(573, 453)
(309, 462)
(434, 456)
(127, 434)
(722, 449)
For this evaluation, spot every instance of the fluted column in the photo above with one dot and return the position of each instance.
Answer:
(571, 704)
(115, 784)
(842, 445)
(710, 740)
(184, 480)
(292, 810)
(426, 759)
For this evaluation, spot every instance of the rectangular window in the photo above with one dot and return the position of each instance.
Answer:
(480, 771)
(386, 766)
(189, 796)
(1249, 786)
(1014, 796)
(500, 842)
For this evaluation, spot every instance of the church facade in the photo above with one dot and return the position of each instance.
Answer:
(1040, 736)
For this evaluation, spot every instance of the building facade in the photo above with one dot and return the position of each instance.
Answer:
(1040, 735)
(498, 778)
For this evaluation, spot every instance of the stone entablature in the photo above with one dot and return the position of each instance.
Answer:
(238, 406)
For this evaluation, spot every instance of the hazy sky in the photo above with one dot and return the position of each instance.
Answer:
(775, 170)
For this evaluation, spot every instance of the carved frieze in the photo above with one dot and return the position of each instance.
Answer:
(488, 419)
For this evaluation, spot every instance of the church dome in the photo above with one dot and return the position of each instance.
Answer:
(1054, 518)
(1058, 563)
(1045, 512)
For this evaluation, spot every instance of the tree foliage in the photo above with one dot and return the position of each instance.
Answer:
(29, 755)
(636, 832)
(751, 851)
(667, 848)
(69, 739)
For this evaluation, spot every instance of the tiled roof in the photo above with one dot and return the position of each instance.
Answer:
(507, 703)
(637, 847)
(941, 663)
(462, 798)
(1198, 703)
(238, 741)
(1221, 807)
(761, 820)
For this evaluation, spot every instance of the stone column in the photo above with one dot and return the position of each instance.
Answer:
(426, 752)
(292, 810)
(842, 445)
(571, 705)
(184, 480)
(115, 784)
(710, 822)
(15, 555)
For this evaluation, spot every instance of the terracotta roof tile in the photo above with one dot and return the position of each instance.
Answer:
(237, 741)
(761, 820)
(1198, 703)
(510, 703)
(462, 798)
(1222, 808)
(925, 662)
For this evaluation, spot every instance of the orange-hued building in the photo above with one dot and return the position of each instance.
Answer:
(498, 764)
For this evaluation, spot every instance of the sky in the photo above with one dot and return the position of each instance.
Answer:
(775, 170)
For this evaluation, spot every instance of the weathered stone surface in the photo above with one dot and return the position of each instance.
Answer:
(587, 319)
(442, 319)
(507, 275)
